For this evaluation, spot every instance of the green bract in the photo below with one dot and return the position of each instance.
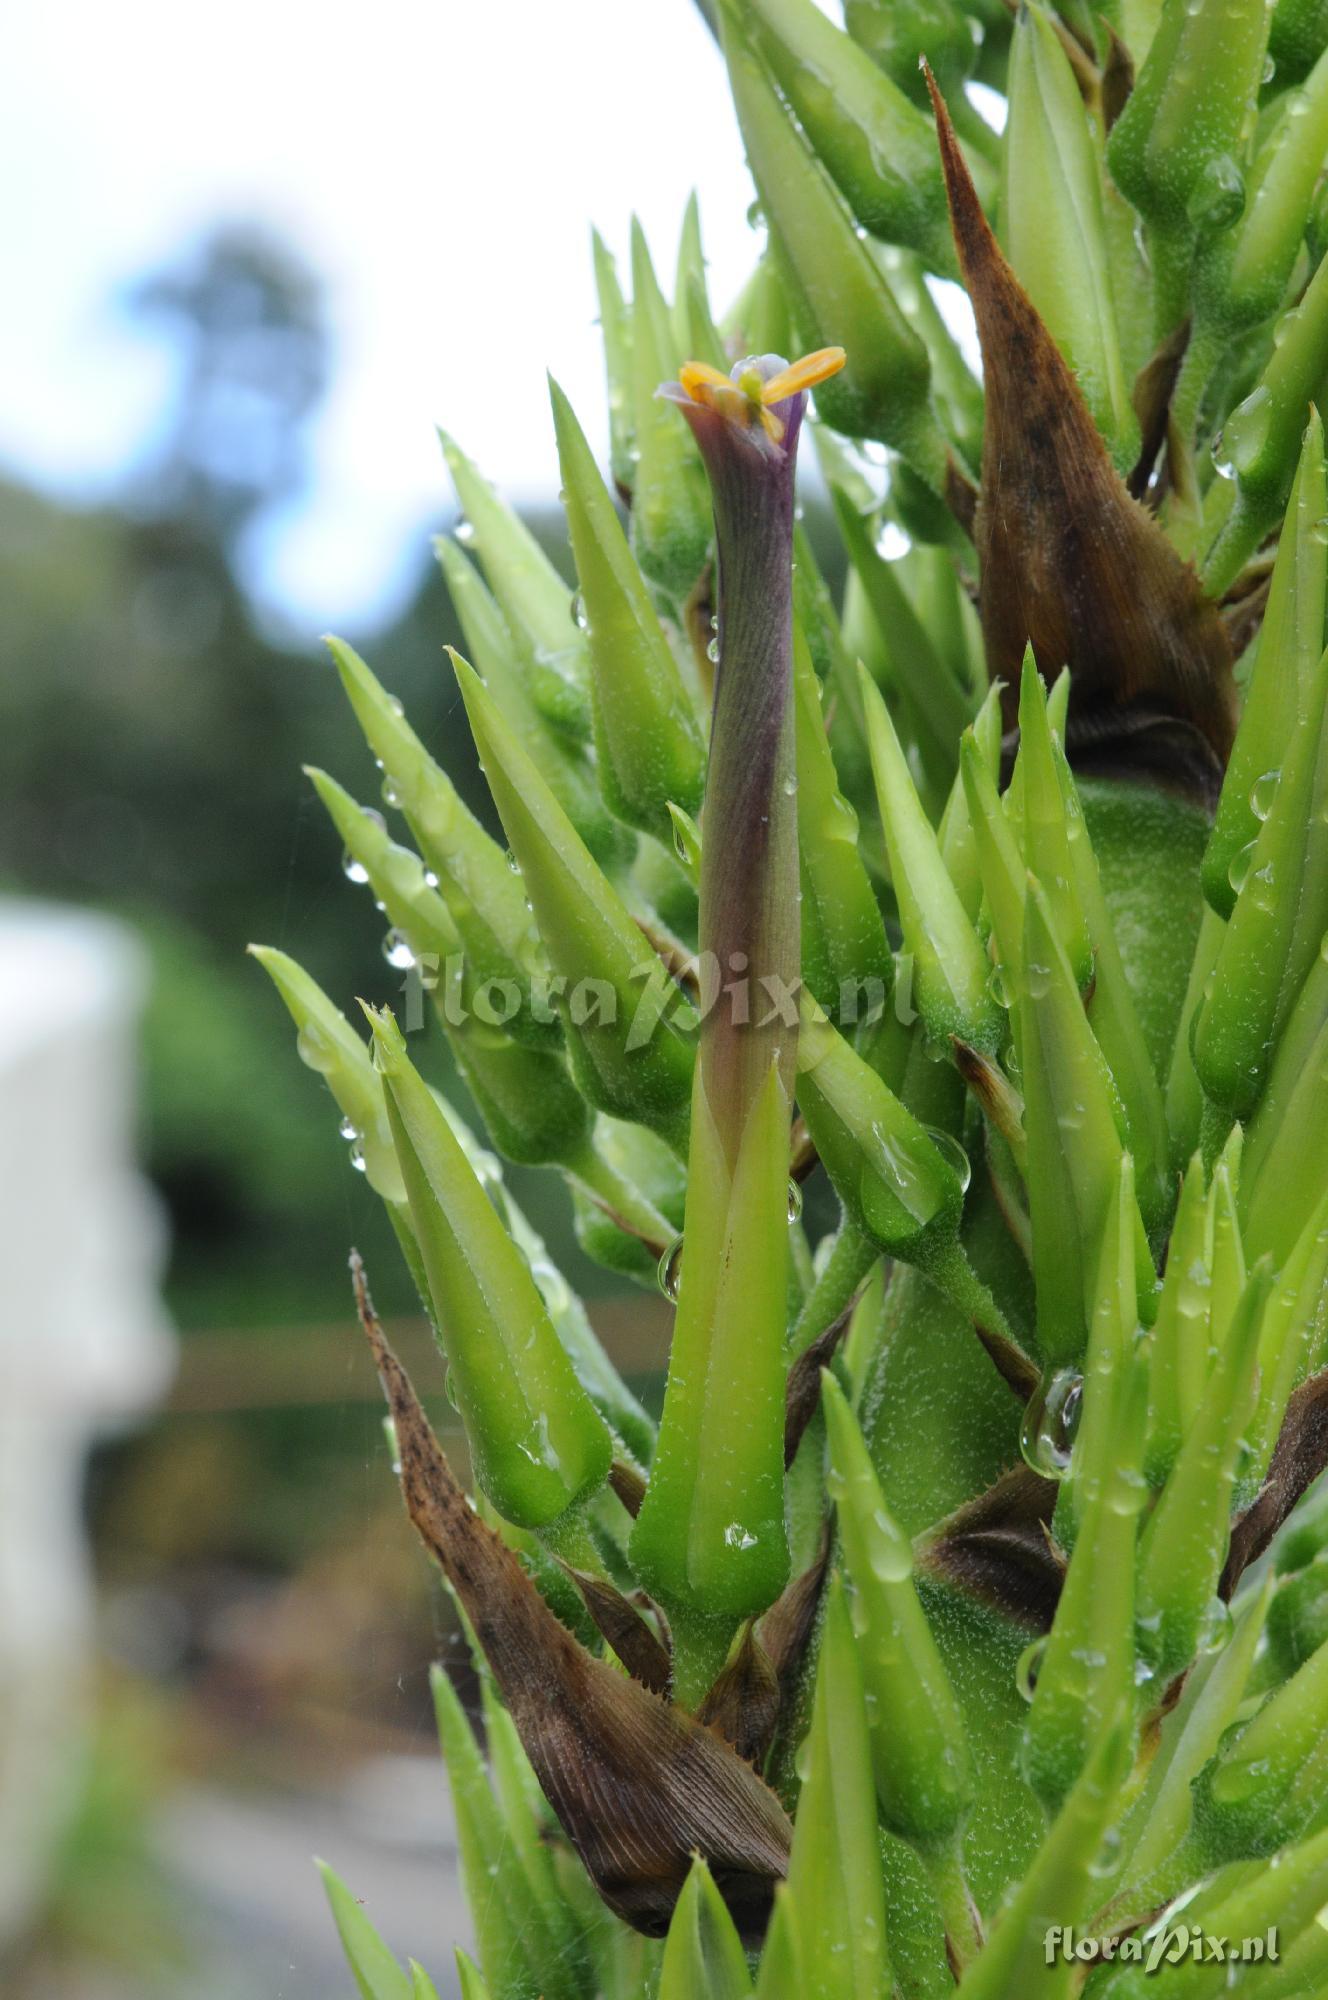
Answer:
(957, 855)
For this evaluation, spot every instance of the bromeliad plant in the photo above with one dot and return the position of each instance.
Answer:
(960, 1600)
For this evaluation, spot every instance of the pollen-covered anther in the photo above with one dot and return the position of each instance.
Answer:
(747, 396)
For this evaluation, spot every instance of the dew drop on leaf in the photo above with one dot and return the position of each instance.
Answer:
(1046, 1436)
(670, 1270)
(1028, 1666)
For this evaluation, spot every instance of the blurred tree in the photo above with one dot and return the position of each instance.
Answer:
(247, 318)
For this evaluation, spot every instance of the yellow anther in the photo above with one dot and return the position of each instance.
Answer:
(749, 398)
(804, 374)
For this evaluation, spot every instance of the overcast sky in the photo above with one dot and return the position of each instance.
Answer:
(438, 161)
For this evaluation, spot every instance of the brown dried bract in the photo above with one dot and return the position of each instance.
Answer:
(998, 1549)
(1301, 1455)
(638, 1786)
(1069, 560)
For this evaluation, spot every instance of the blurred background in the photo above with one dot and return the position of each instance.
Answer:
(252, 258)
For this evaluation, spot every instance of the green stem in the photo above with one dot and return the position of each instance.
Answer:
(570, 1540)
(959, 1914)
(1172, 253)
(618, 1194)
(851, 1258)
(701, 1642)
(950, 1271)
(1239, 536)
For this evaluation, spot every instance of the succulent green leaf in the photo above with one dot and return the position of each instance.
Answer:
(926, 689)
(531, 1108)
(329, 1045)
(919, 1746)
(537, 1441)
(1072, 1127)
(836, 292)
(1178, 1364)
(1087, 1673)
(1287, 651)
(1059, 1886)
(1213, 1691)
(484, 896)
(1045, 826)
(1276, 927)
(377, 1973)
(844, 947)
(670, 512)
(1184, 1542)
(618, 1007)
(647, 739)
(959, 843)
(951, 986)
(519, 1926)
(895, 1183)
(834, 1891)
(490, 645)
(1261, 439)
(703, 1953)
(877, 146)
(615, 329)
(1268, 1782)
(534, 599)
(710, 1535)
(1178, 148)
(1055, 234)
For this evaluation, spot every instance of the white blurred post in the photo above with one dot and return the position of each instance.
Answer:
(83, 1340)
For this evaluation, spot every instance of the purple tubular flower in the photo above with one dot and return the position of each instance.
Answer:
(746, 426)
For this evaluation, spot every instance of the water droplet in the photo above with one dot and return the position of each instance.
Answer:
(794, 1202)
(1269, 70)
(1108, 1853)
(1218, 197)
(430, 879)
(953, 1154)
(349, 1129)
(1221, 461)
(670, 1270)
(1247, 427)
(512, 862)
(1319, 532)
(391, 797)
(998, 987)
(397, 952)
(1214, 1627)
(357, 1159)
(1262, 793)
(790, 788)
(738, 1537)
(1046, 1437)
(580, 616)
(353, 870)
(1029, 1666)
(464, 532)
(1238, 873)
(1285, 325)
(755, 215)
(1037, 977)
(712, 652)
(892, 542)
(315, 1048)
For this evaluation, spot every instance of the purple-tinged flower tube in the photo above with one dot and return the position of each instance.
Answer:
(710, 1541)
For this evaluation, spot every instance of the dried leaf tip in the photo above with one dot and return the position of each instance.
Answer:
(1069, 560)
(637, 1785)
